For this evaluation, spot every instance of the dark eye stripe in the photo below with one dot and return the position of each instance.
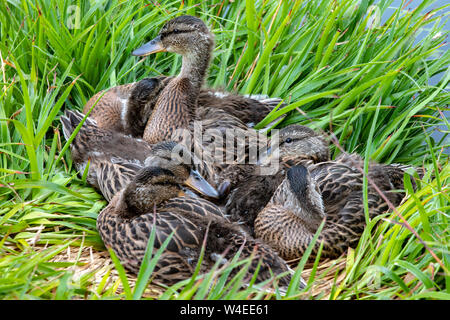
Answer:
(176, 31)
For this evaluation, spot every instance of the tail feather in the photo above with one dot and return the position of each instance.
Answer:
(67, 127)
(273, 102)
(71, 119)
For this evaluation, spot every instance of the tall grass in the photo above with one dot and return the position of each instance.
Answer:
(337, 70)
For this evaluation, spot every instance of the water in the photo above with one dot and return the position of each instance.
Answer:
(437, 133)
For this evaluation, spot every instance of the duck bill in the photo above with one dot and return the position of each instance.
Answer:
(199, 184)
(153, 46)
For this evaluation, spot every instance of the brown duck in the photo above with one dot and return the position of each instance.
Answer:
(331, 189)
(155, 200)
(177, 105)
(252, 191)
(299, 145)
(128, 107)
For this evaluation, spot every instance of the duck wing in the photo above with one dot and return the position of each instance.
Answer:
(92, 140)
(108, 109)
(113, 158)
(250, 197)
(112, 175)
(250, 109)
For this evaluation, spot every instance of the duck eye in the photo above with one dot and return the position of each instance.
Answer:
(288, 140)
(175, 31)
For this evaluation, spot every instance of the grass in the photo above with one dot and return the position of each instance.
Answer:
(366, 83)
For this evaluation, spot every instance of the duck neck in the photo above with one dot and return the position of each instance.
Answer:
(195, 65)
(173, 112)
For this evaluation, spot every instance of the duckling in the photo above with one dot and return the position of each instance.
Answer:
(177, 105)
(300, 145)
(251, 191)
(316, 187)
(111, 109)
(114, 158)
(154, 200)
(293, 214)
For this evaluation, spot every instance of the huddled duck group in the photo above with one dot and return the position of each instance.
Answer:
(126, 147)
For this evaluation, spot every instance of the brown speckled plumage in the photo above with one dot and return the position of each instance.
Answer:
(126, 229)
(339, 186)
(306, 147)
(340, 190)
(177, 106)
(108, 109)
(252, 191)
(173, 111)
(127, 108)
(114, 158)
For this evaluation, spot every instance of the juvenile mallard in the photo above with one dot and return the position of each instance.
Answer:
(177, 105)
(293, 214)
(127, 108)
(329, 188)
(154, 200)
(114, 158)
(253, 190)
(299, 145)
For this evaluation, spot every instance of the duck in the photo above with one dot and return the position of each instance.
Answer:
(114, 158)
(330, 190)
(300, 145)
(177, 111)
(292, 216)
(176, 105)
(251, 188)
(155, 201)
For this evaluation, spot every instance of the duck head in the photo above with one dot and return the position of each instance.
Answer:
(299, 142)
(165, 177)
(182, 35)
(187, 36)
